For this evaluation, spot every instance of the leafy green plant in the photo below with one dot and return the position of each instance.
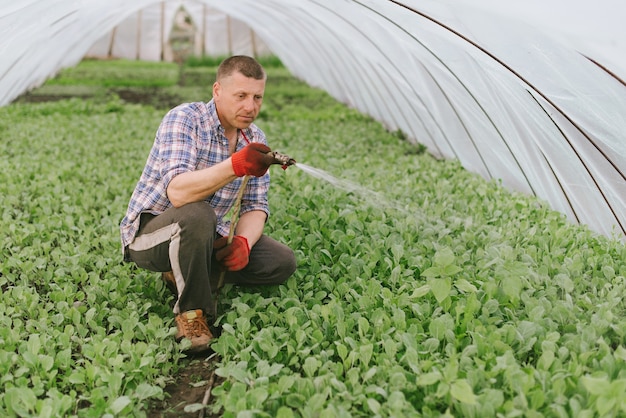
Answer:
(118, 73)
(269, 61)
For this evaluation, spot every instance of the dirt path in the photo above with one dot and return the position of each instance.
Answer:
(189, 388)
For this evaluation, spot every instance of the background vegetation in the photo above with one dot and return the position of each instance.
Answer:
(422, 291)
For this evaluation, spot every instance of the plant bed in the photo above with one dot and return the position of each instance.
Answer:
(421, 289)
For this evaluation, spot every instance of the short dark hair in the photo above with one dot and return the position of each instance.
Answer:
(243, 64)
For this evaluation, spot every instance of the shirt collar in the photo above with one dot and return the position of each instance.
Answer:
(218, 124)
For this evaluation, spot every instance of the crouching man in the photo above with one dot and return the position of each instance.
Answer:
(175, 222)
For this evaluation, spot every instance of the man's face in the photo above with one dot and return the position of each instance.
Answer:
(238, 100)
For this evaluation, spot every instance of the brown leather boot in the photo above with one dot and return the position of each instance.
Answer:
(193, 326)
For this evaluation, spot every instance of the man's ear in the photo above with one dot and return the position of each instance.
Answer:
(216, 88)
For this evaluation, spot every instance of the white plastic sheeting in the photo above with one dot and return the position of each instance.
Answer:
(526, 93)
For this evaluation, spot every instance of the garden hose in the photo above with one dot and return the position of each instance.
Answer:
(234, 219)
(279, 158)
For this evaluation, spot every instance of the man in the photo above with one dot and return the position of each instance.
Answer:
(175, 220)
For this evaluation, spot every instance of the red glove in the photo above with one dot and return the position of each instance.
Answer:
(232, 257)
(252, 160)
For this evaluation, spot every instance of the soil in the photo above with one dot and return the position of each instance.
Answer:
(148, 96)
(191, 387)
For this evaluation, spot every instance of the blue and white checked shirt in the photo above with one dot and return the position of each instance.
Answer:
(190, 138)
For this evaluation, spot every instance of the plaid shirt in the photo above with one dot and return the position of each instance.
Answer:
(189, 138)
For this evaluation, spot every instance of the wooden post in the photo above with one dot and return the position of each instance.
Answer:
(203, 52)
(138, 40)
(230, 41)
(111, 42)
(162, 30)
(253, 40)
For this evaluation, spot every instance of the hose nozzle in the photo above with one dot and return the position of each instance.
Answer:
(282, 159)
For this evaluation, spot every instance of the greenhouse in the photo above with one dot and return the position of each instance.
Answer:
(457, 209)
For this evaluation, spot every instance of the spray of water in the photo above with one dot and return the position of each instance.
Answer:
(363, 192)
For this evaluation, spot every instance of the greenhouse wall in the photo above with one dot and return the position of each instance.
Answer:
(531, 94)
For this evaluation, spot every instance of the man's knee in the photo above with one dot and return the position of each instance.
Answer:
(197, 210)
(283, 267)
(197, 217)
(288, 266)
(271, 263)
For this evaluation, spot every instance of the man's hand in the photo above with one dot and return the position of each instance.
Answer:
(252, 160)
(233, 256)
